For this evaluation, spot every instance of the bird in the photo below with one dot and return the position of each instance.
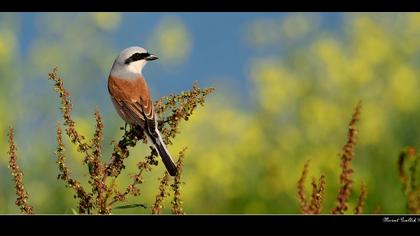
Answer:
(131, 98)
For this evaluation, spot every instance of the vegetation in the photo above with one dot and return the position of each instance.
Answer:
(104, 193)
(284, 97)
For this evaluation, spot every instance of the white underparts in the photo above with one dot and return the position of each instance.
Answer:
(130, 71)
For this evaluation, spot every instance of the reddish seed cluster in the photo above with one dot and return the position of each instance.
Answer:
(301, 190)
(318, 189)
(22, 195)
(163, 192)
(176, 186)
(317, 196)
(66, 108)
(362, 199)
(84, 198)
(174, 108)
(346, 161)
(408, 159)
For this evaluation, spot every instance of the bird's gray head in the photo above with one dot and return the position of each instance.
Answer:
(132, 60)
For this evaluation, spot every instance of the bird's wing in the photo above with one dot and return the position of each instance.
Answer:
(144, 110)
(132, 111)
(133, 99)
(151, 119)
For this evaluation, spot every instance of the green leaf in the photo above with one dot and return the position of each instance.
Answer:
(131, 206)
(74, 211)
(90, 166)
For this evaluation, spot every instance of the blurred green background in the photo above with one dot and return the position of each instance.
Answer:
(286, 85)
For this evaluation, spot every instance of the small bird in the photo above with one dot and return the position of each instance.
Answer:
(131, 98)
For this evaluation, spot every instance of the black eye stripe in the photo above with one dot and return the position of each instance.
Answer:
(136, 57)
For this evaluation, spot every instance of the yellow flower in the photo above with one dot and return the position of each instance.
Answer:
(296, 26)
(277, 87)
(403, 88)
(371, 43)
(7, 44)
(106, 20)
(171, 40)
(372, 124)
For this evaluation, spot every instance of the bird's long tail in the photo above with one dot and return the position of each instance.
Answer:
(163, 152)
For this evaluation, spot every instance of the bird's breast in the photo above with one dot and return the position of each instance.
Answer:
(130, 90)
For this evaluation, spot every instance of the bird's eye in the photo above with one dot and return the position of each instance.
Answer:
(144, 55)
(136, 57)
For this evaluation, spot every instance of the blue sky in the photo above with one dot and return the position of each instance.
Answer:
(219, 53)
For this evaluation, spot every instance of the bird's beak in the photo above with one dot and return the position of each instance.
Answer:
(151, 57)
